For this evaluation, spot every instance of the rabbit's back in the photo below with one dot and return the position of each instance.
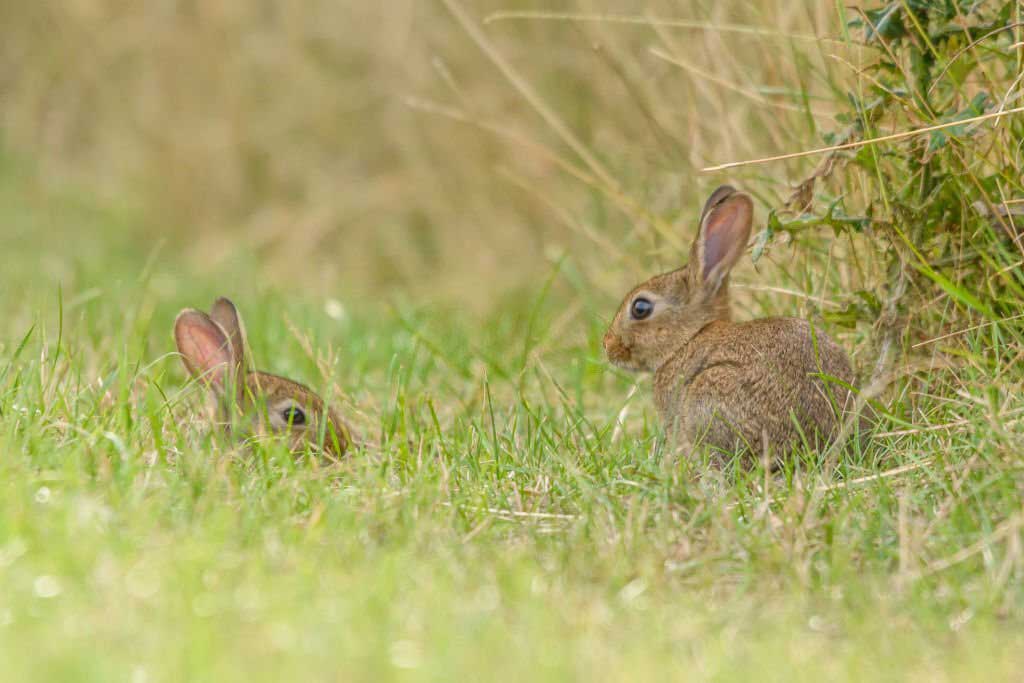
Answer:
(735, 385)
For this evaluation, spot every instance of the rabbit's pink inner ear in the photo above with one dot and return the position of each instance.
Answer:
(726, 230)
(204, 347)
(226, 315)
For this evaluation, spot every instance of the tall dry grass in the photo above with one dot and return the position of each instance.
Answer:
(358, 145)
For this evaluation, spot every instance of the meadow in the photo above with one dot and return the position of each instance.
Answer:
(429, 212)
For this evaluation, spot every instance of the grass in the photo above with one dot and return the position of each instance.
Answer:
(494, 526)
(442, 268)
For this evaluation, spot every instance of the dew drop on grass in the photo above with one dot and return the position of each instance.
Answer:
(334, 309)
(46, 586)
(632, 590)
(961, 620)
(14, 549)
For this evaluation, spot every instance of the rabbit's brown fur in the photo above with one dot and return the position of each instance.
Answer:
(757, 385)
(212, 348)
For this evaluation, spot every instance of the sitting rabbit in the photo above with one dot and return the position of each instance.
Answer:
(758, 386)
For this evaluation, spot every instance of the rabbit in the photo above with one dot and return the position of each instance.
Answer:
(213, 349)
(753, 387)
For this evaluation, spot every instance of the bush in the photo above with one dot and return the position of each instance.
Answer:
(943, 207)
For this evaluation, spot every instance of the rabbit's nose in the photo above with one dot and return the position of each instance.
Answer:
(614, 348)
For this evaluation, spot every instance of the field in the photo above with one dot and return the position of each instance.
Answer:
(429, 212)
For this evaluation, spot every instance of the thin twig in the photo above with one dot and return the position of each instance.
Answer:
(745, 92)
(862, 143)
(903, 469)
(655, 21)
(516, 513)
(820, 300)
(620, 419)
(965, 48)
(964, 422)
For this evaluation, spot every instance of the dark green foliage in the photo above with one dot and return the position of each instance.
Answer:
(937, 203)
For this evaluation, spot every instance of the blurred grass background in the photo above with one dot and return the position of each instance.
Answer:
(369, 145)
(429, 211)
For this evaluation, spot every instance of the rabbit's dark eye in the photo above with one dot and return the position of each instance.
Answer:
(293, 416)
(641, 308)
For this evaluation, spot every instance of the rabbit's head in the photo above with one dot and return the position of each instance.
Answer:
(253, 403)
(661, 315)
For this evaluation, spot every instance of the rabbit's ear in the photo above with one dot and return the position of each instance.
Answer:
(724, 231)
(226, 315)
(205, 348)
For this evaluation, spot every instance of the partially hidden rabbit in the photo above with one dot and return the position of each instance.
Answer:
(762, 386)
(250, 402)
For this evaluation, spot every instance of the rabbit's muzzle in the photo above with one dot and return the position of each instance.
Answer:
(616, 350)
